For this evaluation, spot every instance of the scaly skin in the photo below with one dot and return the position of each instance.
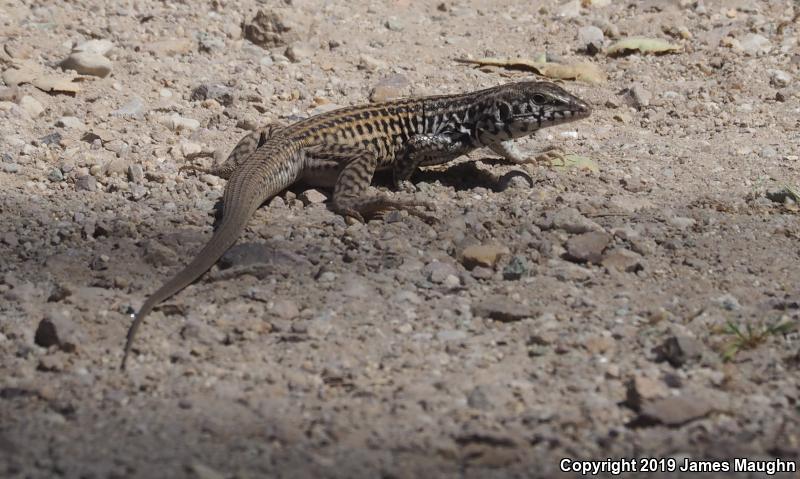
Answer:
(343, 149)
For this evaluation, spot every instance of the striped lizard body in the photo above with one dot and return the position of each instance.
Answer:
(343, 148)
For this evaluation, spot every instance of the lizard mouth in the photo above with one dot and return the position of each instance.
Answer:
(556, 116)
(580, 109)
(573, 111)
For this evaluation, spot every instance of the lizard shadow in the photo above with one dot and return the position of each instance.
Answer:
(463, 176)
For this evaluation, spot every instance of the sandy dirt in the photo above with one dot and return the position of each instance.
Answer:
(645, 305)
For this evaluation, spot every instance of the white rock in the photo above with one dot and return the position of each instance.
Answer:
(31, 106)
(451, 281)
(88, 64)
(298, 52)
(188, 148)
(178, 123)
(312, 197)
(755, 44)
(133, 108)
(366, 62)
(97, 46)
(590, 35)
(324, 108)
(285, 309)
(11, 107)
(70, 122)
(681, 222)
(779, 78)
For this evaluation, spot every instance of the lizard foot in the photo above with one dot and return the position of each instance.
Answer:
(549, 156)
(377, 207)
(220, 171)
(405, 186)
(411, 208)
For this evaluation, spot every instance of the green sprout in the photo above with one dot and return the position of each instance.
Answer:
(752, 337)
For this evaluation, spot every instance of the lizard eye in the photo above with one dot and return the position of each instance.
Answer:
(539, 99)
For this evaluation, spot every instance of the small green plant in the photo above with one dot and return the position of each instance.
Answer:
(786, 191)
(751, 337)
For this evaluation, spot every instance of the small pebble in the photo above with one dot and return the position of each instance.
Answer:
(394, 24)
(177, 123)
(87, 63)
(312, 197)
(298, 52)
(755, 45)
(86, 183)
(779, 78)
(135, 173)
(370, 64)
(94, 46)
(133, 108)
(55, 175)
(515, 269)
(70, 122)
(389, 88)
(591, 39)
(222, 94)
(681, 222)
(587, 247)
(285, 309)
(31, 106)
(10, 94)
(485, 255)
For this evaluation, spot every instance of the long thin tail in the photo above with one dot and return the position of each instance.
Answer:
(233, 224)
(250, 186)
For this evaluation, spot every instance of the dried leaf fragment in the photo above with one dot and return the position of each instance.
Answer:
(574, 162)
(630, 45)
(586, 72)
(28, 72)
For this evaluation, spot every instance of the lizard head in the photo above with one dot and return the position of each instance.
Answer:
(522, 108)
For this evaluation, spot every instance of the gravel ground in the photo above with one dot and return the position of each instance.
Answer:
(644, 305)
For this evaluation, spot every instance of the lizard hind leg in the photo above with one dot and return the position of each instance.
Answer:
(246, 147)
(351, 198)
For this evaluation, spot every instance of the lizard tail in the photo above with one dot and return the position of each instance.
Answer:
(248, 188)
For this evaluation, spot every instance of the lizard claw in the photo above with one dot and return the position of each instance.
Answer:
(549, 156)
(430, 219)
(411, 208)
(405, 186)
(352, 217)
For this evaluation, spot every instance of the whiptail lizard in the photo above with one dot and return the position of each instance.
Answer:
(343, 148)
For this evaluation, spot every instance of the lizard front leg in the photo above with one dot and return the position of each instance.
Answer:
(423, 150)
(246, 147)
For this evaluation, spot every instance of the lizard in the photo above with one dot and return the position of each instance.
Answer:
(343, 148)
